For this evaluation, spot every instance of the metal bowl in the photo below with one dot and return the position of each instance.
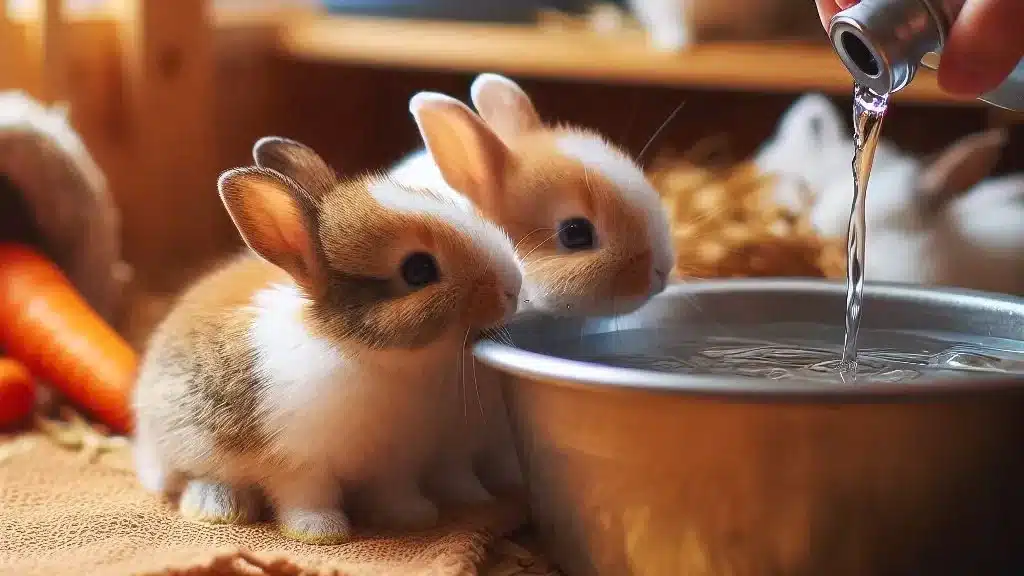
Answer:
(634, 472)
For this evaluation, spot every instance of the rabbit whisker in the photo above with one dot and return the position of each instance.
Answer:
(523, 239)
(640, 156)
(476, 387)
(541, 244)
(462, 388)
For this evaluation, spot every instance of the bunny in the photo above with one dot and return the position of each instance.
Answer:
(927, 222)
(307, 366)
(588, 225)
(592, 230)
(812, 150)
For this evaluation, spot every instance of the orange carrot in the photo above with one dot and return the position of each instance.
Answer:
(17, 393)
(48, 326)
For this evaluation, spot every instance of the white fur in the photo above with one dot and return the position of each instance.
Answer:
(667, 27)
(489, 79)
(976, 242)
(150, 467)
(374, 417)
(633, 187)
(419, 170)
(324, 396)
(307, 372)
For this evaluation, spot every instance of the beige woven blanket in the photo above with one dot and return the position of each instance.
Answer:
(80, 511)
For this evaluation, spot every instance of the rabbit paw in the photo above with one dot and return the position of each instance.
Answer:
(218, 503)
(404, 511)
(323, 527)
(309, 506)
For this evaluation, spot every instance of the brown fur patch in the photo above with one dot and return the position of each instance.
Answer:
(205, 359)
(363, 298)
(296, 161)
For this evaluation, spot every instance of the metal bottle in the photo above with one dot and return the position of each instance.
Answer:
(882, 42)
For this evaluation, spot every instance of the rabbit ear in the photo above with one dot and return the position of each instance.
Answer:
(960, 167)
(813, 120)
(273, 215)
(296, 161)
(503, 105)
(809, 141)
(471, 158)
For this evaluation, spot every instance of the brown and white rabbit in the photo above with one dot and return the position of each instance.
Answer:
(308, 368)
(588, 225)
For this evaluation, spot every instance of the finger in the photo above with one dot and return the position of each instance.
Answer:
(984, 45)
(826, 10)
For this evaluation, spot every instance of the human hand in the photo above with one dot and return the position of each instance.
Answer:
(983, 47)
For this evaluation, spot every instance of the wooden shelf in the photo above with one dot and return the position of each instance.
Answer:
(570, 53)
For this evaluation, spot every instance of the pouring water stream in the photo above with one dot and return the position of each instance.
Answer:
(868, 113)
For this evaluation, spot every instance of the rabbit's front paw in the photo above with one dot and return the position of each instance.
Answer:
(323, 527)
(218, 503)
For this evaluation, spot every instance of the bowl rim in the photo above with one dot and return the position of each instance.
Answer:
(575, 373)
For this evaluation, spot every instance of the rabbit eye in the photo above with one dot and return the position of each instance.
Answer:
(419, 269)
(576, 234)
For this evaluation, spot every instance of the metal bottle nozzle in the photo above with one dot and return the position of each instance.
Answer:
(881, 42)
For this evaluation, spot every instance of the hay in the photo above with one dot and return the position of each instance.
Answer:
(725, 224)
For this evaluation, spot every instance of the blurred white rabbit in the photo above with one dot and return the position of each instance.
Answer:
(675, 25)
(929, 221)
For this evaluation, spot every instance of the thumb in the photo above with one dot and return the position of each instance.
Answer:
(829, 8)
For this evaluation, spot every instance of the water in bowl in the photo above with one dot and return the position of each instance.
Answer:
(801, 351)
